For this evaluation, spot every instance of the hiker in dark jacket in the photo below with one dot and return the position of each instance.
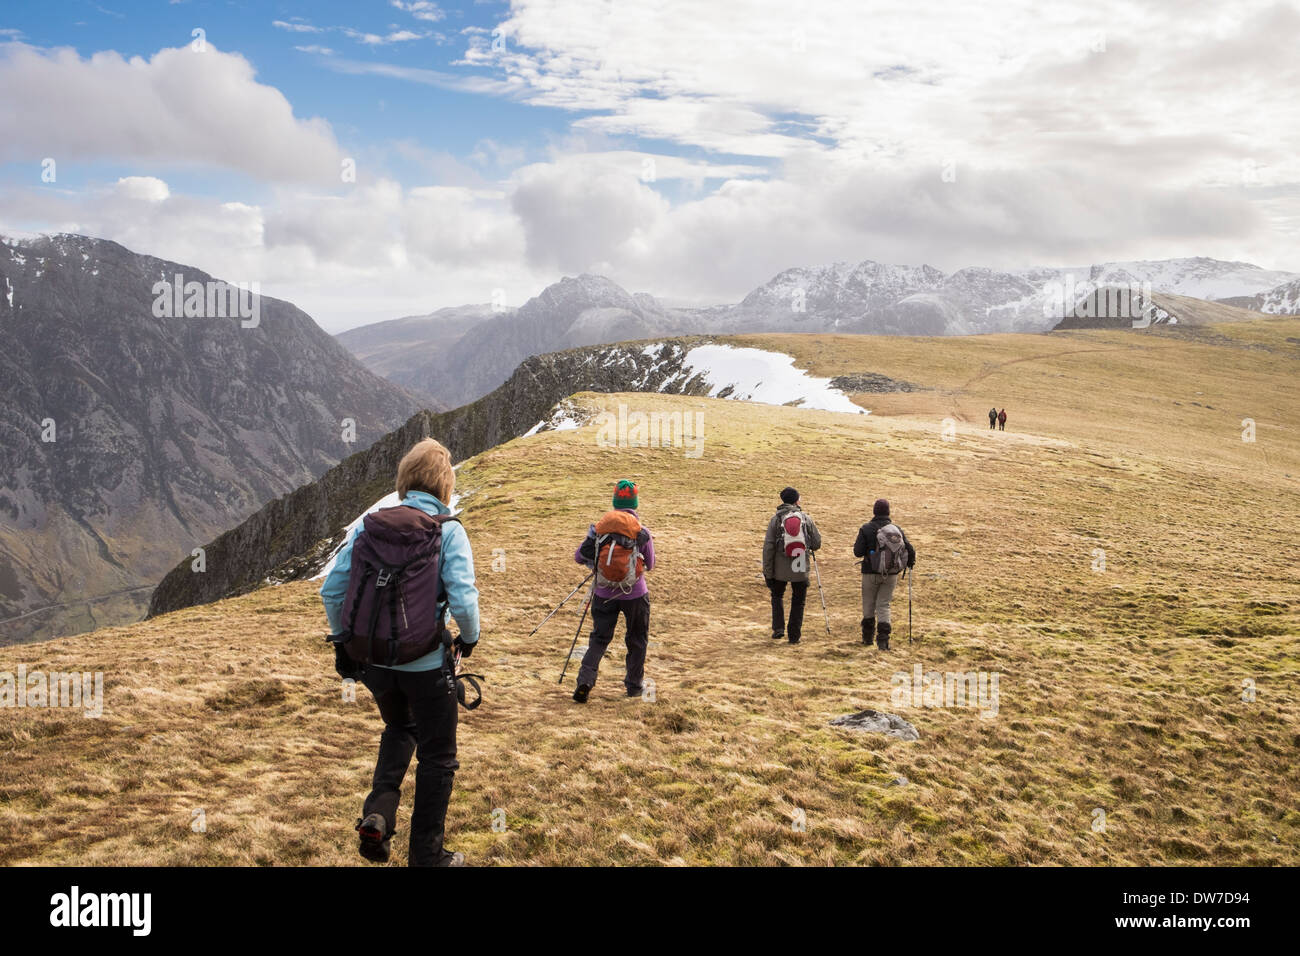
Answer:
(613, 535)
(877, 589)
(780, 569)
(1002, 420)
(993, 418)
(417, 700)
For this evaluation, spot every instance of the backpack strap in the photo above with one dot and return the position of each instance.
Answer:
(442, 600)
(352, 620)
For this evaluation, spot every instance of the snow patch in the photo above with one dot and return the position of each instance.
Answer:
(564, 417)
(755, 375)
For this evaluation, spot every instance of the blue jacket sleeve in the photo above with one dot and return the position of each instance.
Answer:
(458, 579)
(335, 589)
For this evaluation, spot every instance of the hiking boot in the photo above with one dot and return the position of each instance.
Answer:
(777, 635)
(794, 640)
(882, 635)
(451, 859)
(635, 691)
(580, 695)
(374, 838)
(868, 631)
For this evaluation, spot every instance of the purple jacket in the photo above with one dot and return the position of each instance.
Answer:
(640, 589)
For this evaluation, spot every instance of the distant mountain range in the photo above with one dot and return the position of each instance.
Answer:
(460, 354)
(133, 433)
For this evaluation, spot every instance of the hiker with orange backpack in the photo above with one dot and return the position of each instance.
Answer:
(620, 550)
(787, 548)
(886, 553)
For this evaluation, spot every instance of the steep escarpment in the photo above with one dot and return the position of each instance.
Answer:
(310, 518)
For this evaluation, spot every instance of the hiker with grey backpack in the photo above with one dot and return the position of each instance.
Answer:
(620, 550)
(788, 547)
(886, 553)
(395, 582)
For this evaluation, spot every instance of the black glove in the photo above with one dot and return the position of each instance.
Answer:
(344, 665)
(465, 650)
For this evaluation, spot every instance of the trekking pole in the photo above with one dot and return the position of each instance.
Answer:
(821, 593)
(909, 608)
(561, 604)
(585, 605)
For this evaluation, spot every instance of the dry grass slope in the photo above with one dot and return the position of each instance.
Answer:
(1119, 690)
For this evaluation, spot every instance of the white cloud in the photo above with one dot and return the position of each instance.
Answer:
(146, 188)
(421, 10)
(379, 39)
(297, 26)
(178, 107)
(583, 218)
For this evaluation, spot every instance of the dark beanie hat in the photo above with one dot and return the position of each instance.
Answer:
(789, 496)
(625, 494)
(881, 508)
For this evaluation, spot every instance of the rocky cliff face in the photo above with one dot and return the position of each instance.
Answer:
(281, 540)
(133, 432)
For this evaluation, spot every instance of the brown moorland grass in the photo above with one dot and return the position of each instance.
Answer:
(1120, 690)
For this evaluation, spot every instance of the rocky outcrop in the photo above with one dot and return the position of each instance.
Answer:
(878, 722)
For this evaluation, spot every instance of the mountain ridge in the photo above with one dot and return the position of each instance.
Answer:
(127, 426)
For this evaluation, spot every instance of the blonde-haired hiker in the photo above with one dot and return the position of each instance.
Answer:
(399, 577)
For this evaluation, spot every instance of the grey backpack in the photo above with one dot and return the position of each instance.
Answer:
(890, 556)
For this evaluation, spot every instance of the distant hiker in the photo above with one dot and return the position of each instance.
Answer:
(1002, 420)
(791, 536)
(885, 552)
(387, 599)
(993, 418)
(620, 550)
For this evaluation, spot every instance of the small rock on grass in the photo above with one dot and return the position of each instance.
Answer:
(877, 722)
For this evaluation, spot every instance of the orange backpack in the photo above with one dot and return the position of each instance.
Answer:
(619, 564)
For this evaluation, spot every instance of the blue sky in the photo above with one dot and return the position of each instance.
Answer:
(690, 150)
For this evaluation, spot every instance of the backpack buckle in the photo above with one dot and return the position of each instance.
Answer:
(384, 577)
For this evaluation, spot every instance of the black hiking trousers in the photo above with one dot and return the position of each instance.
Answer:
(419, 719)
(798, 595)
(604, 618)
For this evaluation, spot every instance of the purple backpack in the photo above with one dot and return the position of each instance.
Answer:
(396, 603)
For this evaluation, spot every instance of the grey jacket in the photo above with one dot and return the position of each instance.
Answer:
(775, 564)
